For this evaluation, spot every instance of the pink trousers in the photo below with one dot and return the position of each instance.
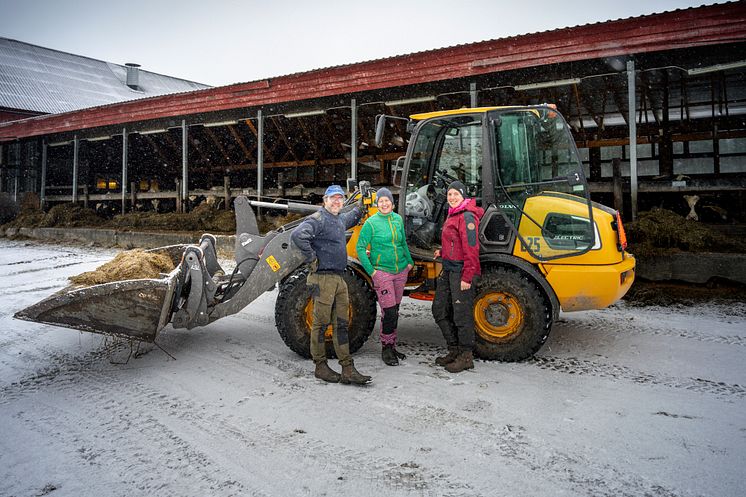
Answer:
(390, 290)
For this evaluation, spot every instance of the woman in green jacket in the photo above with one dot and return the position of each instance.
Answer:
(383, 252)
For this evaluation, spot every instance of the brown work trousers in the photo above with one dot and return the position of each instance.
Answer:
(331, 304)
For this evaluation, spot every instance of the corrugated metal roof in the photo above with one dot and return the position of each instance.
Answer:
(39, 79)
(558, 30)
(695, 27)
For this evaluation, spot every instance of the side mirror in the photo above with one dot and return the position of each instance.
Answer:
(380, 127)
(351, 184)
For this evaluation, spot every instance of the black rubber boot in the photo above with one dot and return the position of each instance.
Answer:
(388, 354)
(465, 360)
(324, 372)
(351, 375)
(399, 355)
(448, 358)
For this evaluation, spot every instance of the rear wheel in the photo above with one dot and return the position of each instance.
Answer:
(512, 316)
(294, 311)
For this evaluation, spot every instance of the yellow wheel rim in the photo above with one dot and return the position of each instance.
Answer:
(308, 312)
(498, 315)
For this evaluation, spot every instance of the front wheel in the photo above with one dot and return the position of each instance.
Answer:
(294, 311)
(512, 317)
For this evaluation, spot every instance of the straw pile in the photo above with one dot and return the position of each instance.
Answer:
(129, 265)
(202, 218)
(661, 232)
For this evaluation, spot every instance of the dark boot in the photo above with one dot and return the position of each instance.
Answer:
(324, 372)
(399, 355)
(448, 358)
(388, 354)
(351, 375)
(465, 360)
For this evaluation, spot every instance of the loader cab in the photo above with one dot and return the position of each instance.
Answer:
(519, 163)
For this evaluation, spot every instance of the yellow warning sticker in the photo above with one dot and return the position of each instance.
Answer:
(273, 263)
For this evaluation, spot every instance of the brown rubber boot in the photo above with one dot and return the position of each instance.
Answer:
(465, 360)
(448, 358)
(351, 375)
(324, 372)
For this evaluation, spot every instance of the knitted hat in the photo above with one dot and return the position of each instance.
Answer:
(334, 190)
(459, 187)
(384, 192)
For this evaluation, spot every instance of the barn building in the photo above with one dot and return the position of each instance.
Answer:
(657, 104)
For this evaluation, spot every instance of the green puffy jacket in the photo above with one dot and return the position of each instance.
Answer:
(388, 245)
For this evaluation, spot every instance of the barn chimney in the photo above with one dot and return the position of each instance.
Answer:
(133, 75)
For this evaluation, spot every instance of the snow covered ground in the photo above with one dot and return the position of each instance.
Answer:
(620, 402)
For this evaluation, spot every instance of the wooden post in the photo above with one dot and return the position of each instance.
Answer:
(281, 184)
(178, 195)
(86, 197)
(133, 195)
(227, 192)
(616, 172)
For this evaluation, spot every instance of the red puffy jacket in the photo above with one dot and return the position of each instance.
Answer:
(460, 240)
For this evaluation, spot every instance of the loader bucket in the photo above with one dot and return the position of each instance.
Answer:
(135, 309)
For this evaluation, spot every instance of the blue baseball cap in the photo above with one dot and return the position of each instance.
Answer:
(334, 190)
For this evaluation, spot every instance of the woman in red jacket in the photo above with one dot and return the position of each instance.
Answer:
(454, 296)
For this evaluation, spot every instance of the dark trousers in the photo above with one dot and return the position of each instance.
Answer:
(453, 310)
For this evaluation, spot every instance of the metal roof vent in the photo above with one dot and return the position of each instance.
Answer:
(133, 75)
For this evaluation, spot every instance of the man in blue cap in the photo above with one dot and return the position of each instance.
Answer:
(321, 238)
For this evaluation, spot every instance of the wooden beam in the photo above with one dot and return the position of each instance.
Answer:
(238, 139)
(311, 139)
(155, 146)
(283, 137)
(256, 135)
(217, 143)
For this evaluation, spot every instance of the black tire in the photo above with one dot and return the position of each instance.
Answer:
(512, 316)
(291, 318)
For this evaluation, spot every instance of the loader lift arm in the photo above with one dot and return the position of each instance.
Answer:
(196, 293)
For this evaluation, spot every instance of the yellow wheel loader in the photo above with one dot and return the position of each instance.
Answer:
(544, 245)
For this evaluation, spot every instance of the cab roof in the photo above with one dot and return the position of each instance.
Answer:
(473, 110)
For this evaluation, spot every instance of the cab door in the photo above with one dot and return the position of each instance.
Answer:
(540, 187)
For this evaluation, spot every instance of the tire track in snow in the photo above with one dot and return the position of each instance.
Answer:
(61, 369)
(582, 367)
(491, 440)
(513, 443)
(64, 255)
(52, 268)
(21, 289)
(136, 437)
(135, 397)
(605, 325)
(426, 353)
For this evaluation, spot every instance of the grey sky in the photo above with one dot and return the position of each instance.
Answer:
(219, 42)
